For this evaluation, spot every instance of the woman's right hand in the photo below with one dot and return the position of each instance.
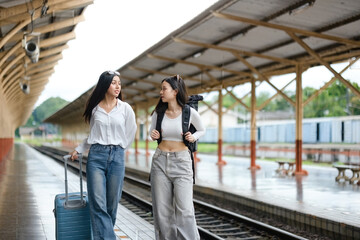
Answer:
(155, 134)
(74, 155)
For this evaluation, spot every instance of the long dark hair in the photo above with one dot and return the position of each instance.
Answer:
(176, 83)
(99, 92)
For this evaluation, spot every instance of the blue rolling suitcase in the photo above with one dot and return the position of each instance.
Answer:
(71, 211)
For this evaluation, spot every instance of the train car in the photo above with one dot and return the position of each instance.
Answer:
(315, 130)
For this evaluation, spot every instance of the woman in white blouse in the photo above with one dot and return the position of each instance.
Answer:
(171, 170)
(112, 130)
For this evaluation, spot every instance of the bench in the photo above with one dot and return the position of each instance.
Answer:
(286, 167)
(341, 173)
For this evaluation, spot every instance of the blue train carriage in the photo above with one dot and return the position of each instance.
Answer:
(346, 129)
(315, 130)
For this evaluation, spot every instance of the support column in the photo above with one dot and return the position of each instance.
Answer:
(299, 118)
(137, 134)
(253, 128)
(220, 131)
(196, 159)
(5, 146)
(7, 127)
(147, 131)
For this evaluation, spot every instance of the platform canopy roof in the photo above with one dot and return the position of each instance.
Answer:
(47, 25)
(234, 42)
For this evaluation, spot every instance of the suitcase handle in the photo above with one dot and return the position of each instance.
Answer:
(82, 201)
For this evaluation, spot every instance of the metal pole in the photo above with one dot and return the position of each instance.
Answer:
(253, 127)
(299, 117)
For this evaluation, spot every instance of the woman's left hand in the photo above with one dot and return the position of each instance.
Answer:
(189, 137)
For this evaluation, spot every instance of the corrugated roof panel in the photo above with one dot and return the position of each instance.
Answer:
(131, 91)
(172, 50)
(212, 57)
(16, 23)
(256, 9)
(151, 63)
(213, 30)
(322, 13)
(257, 39)
(349, 31)
(132, 73)
(185, 69)
(247, 25)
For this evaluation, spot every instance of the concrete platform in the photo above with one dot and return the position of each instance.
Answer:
(316, 199)
(29, 182)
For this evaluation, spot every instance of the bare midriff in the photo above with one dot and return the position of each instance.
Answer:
(172, 146)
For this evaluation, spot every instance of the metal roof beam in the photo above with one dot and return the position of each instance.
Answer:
(237, 100)
(201, 66)
(24, 8)
(44, 43)
(54, 58)
(50, 27)
(163, 73)
(231, 50)
(323, 62)
(287, 29)
(156, 85)
(326, 85)
(11, 15)
(260, 74)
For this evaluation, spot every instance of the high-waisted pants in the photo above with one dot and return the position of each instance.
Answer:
(105, 170)
(172, 196)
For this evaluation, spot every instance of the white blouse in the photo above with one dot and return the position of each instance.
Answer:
(117, 127)
(171, 128)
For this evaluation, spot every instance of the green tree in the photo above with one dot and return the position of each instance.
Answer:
(354, 103)
(281, 104)
(228, 101)
(45, 109)
(31, 122)
(48, 107)
(336, 100)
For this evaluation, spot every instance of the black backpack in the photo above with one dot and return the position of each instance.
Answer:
(192, 102)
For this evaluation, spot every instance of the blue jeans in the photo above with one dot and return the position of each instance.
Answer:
(105, 170)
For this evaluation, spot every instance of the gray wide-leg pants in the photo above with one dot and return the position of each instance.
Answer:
(172, 196)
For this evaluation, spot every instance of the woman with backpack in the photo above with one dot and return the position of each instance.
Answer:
(171, 171)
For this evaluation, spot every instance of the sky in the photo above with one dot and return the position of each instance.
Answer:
(117, 31)
(114, 33)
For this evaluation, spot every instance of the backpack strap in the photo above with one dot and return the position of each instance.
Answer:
(185, 128)
(159, 119)
(185, 122)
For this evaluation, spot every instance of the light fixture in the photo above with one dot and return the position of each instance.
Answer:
(32, 51)
(32, 46)
(302, 7)
(25, 85)
(197, 54)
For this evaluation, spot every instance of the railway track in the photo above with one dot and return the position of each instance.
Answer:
(213, 222)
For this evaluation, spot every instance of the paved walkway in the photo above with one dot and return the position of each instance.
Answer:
(316, 194)
(29, 182)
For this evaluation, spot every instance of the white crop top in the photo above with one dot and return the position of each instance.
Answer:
(172, 127)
